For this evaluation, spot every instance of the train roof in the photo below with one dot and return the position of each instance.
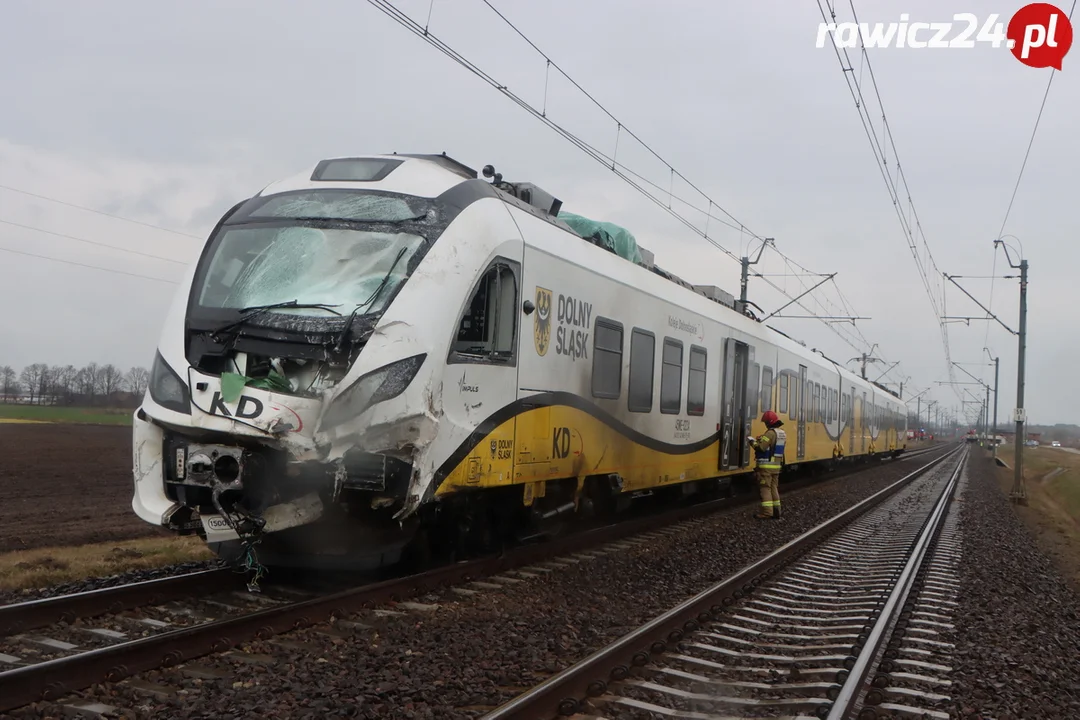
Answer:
(409, 174)
(431, 175)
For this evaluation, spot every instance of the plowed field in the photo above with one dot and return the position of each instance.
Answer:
(65, 485)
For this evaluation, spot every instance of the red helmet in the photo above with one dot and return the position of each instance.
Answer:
(769, 417)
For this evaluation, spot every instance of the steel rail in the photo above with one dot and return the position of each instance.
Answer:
(563, 693)
(33, 614)
(845, 702)
(52, 679)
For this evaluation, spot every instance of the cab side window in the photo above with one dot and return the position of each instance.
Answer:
(487, 330)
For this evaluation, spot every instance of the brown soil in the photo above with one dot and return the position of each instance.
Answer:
(66, 485)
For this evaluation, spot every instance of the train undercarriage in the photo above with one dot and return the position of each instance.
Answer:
(344, 526)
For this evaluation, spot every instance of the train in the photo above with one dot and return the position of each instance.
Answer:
(390, 356)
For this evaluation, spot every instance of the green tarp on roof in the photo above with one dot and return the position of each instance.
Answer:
(609, 235)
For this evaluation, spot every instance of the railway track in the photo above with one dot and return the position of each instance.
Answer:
(53, 647)
(846, 621)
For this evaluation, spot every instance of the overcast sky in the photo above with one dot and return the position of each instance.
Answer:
(169, 113)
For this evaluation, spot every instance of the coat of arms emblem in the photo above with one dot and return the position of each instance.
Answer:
(542, 321)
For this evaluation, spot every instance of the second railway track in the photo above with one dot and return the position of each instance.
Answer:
(846, 621)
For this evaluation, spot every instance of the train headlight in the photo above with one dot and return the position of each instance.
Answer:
(385, 383)
(166, 387)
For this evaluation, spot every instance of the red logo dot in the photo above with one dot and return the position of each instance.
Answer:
(1040, 35)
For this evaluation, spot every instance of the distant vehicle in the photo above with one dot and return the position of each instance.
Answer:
(1032, 443)
(1055, 444)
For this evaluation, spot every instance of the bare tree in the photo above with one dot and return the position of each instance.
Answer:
(86, 383)
(44, 383)
(31, 379)
(8, 385)
(111, 378)
(137, 379)
(63, 382)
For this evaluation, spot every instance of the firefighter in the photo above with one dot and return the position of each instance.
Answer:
(769, 458)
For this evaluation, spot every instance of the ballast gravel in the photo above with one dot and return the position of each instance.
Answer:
(1018, 628)
(98, 583)
(465, 651)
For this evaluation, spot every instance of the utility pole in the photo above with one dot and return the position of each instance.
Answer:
(1019, 491)
(746, 263)
(996, 367)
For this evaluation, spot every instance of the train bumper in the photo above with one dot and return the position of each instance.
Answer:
(225, 487)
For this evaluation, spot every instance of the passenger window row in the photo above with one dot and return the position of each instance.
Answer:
(608, 364)
(822, 404)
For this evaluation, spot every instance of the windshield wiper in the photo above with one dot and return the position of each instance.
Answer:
(382, 284)
(254, 310)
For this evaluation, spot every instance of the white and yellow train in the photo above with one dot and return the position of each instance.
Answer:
(390, 349)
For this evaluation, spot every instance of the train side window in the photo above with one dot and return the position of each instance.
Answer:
(695, 386)
(487, 330)
(784, 394)
(642, 366)
(607, 359)
(671, 377)
(766, 388)
(817, 402)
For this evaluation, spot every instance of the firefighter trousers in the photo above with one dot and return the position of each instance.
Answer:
(769, 483)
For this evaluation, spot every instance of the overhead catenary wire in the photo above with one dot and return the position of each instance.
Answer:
(1016, 188)
(87, 265)
(92, 242)
(98, 212)
(632, 178)
(910, 222)
(1031, 141)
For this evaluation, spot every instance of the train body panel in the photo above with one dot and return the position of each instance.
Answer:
(498, 355)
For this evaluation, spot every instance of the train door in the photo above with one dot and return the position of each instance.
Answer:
(851, 421)
(542, 370)
(863, 424)
(482, 368)
(802, 400)
(735, 423)
(753, 385)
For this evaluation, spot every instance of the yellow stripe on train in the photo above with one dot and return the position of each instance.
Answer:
(559, 442)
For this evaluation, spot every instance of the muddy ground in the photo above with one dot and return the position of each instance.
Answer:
(65, 485)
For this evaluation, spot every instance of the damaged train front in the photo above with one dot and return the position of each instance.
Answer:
(279, 338)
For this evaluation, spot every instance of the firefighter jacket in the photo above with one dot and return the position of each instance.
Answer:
(769, 449)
